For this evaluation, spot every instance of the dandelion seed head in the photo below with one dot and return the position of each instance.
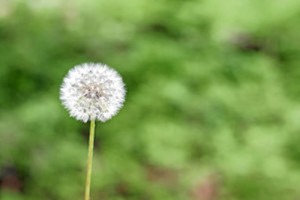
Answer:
(92, 91)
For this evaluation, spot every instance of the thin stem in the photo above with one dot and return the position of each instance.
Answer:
(89, 161)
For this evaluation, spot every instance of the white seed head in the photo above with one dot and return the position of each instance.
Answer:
(92, 91)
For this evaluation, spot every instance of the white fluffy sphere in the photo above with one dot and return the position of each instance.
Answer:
(92, 91)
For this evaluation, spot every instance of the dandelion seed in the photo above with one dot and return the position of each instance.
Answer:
(92, 91)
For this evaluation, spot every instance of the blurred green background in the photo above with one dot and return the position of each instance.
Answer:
(212, 109)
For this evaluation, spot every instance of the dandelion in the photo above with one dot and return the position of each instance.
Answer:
(92, 92)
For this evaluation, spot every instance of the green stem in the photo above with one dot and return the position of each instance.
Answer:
(89, 161)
